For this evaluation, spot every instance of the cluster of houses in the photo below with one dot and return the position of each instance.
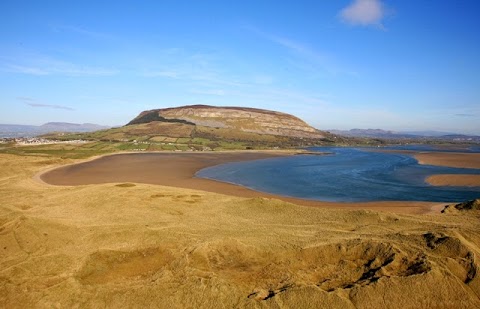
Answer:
(37, 141)
(42, 141)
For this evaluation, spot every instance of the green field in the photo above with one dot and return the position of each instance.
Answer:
(95, 148)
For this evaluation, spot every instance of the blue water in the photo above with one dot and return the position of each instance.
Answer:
(435, 148)
(345, 175)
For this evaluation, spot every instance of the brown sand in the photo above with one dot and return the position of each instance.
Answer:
(462, 160)
(128, 245)
(178, 170)
(454, 180)
(450, 159)
(465, 160)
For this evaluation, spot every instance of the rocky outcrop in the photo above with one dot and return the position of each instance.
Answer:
(250, 120)
(469, 205)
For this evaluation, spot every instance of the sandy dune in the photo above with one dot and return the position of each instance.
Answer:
(139, 245)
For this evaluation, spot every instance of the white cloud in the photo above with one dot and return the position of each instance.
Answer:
(34, 64)
(364, 13)
(59, 68)
(465, 115)
(51, 106)
(33, 103)
(291, 45)
(305, 57)
(25, 70)
(194, 74)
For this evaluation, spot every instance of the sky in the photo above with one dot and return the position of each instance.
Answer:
(399, 65)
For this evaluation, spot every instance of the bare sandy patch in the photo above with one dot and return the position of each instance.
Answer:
(462, 160)
(454, 180)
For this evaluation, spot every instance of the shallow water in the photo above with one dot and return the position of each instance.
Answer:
(346, 175)
(435, 148)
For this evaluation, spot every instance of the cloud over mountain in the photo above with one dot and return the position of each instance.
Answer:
(364, 13)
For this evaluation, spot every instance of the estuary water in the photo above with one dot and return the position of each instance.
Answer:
(344, 175)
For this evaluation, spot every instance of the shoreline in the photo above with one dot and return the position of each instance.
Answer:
(448, 159)
(457, 160)
(179, 169)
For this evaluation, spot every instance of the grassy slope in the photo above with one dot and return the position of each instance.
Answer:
(158, 136)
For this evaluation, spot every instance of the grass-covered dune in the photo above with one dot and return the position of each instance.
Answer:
(139, 245)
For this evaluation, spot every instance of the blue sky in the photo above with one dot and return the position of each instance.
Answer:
(397, 65)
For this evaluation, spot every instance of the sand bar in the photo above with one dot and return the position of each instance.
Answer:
(178, 170)
(462, 160)
(449, 159)
(454, 180)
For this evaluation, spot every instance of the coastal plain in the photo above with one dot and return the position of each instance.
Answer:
(168, 245)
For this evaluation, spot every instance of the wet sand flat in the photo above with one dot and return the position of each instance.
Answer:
(178, 170)
(462, 160)
(454, 180)
(449, 159)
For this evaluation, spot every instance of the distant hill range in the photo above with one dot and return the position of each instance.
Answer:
(14, 130)
(223, 127)
(413, 135)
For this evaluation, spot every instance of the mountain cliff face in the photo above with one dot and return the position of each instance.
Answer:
(249, 120)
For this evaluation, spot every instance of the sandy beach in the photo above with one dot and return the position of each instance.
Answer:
(178, 170)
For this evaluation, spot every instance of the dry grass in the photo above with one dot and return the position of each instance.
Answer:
(235, 134)
(154, 246)
(160, 128)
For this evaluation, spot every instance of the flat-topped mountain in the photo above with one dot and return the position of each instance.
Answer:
(249, 120)
(202, 127)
